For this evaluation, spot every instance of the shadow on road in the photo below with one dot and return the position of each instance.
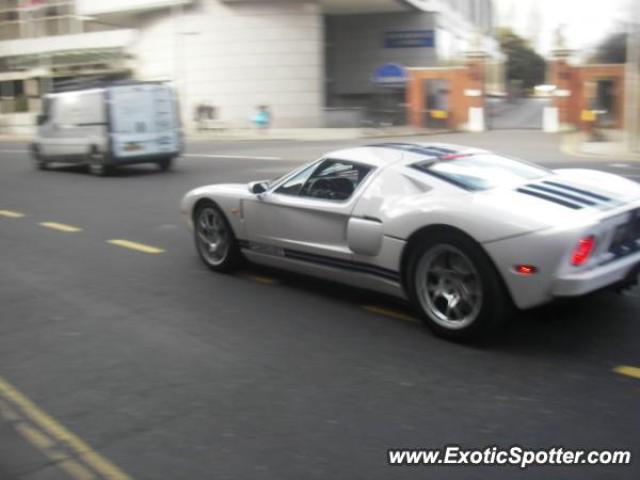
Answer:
(128, 171)
(579, 326)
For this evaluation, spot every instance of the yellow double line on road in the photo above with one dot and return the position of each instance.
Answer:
(64, 448)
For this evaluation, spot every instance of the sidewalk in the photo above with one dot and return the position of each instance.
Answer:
(611, 147)
(308, 134)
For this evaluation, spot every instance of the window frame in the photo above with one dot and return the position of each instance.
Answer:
(315, 166)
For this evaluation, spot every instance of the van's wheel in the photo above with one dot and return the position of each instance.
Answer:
(455, 287)
(38, 160)
(98, 164)
(215, 242)
(165, 164)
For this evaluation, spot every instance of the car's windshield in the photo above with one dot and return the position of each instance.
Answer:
(482, 171)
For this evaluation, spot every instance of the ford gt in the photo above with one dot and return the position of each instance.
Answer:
(464, 234)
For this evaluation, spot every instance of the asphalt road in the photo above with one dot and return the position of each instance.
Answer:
(170, 371)
(519, 113)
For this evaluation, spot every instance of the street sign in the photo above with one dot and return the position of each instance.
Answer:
(390, 74)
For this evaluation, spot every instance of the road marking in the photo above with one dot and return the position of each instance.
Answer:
(633, 372)
(621, 165)
(53, 439)
(193, 155)
(234, 157)
(11, 214)
(387, 312)
(49, 448)
(259, 279)
(61, 227)
(14, 151)
(140, 247)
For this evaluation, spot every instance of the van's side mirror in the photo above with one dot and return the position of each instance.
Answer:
(41, 119)
(258, 187)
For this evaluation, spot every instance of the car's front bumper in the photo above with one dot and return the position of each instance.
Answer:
(599, 277)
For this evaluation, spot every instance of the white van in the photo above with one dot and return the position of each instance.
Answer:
(117, 124)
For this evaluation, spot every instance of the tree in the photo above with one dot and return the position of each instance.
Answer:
(524, 64)
(612, 49)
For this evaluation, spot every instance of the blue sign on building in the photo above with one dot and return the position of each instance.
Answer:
(409, 39)
(390, 74)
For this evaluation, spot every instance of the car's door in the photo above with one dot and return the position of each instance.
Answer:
(308, 212)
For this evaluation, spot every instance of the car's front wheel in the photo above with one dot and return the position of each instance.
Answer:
(455, 287)
(215, 242)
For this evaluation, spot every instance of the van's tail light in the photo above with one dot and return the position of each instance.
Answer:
(582, 251)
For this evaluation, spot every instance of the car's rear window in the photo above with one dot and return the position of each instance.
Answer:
(481, 171)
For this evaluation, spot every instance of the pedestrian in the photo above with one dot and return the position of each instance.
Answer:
(262, 118)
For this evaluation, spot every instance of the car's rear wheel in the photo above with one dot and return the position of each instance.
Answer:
(215, 242)
(165, 164)
(455, 287)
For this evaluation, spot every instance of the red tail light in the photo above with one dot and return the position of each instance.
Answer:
(582, 251)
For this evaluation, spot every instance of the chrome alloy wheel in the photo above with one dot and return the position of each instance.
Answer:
(213, 235)
(449, 287)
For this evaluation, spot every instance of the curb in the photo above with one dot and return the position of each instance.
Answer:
(572, 143)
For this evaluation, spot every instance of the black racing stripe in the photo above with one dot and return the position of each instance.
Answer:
(334, 262)
(549, 198)
(579, 190)
(343, 264)
(563, 194)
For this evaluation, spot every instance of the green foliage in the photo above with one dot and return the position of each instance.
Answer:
(524, 64)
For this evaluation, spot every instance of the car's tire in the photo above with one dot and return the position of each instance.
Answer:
(38, 160)
(165, 164)
(455, 287)
(214, 238)
(99, 164)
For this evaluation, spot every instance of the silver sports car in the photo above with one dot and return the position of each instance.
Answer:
(462, 233)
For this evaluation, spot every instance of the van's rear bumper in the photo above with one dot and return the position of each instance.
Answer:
(143, 158)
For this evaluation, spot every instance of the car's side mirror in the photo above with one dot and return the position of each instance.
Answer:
(41, 119)
(258, 187)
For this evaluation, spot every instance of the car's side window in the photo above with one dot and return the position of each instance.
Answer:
(295, 183)
(334, 180)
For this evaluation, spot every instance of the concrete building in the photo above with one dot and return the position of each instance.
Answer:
(311, 61)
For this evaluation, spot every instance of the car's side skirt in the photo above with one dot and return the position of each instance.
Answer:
(351, 273)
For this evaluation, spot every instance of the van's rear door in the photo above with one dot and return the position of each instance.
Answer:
(144, 121)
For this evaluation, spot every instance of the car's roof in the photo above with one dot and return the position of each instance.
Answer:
(383, 154)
